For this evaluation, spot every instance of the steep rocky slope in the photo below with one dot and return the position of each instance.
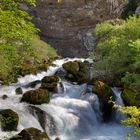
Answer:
(67, 25)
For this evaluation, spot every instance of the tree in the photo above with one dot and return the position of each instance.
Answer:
(17, 34)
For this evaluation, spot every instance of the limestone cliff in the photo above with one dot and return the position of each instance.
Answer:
(68, 25)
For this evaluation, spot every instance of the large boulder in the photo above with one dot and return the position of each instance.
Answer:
(9, 120)
(31, 134)
(77, 71)
(38, 96)
(104, 93)
(50, 83)
(71, 67)
(131, 97)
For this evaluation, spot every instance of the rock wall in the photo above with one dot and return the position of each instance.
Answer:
(68, 25)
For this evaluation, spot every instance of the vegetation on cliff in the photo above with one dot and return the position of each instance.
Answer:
(118, 51)
(118, 63)
(19, 42)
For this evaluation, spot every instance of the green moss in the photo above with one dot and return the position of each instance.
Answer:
(49, 83)
(9, 120)
(38, 96)
(71, 67)
(131, 97)
(103, 91)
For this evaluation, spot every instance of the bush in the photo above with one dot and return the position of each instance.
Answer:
(118, 50)
(19, 42)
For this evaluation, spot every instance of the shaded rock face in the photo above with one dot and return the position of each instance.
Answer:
(9, 120)
(68, 25)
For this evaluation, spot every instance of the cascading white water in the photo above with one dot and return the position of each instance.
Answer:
(75, 112)
(119, 101)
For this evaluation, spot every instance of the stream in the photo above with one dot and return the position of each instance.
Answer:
(73, 112)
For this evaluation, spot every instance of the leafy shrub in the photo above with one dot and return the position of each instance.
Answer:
(118, 50)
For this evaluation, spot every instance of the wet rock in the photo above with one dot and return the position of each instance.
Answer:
(104, 93)
(57, 138)
(35, 111)
(9, 120)
(131, 97)
(33, 84)
(38, 96)
(18, 91)
(61, 73)
(4, 97)
(50, 83)
(77, 71)
(31, 134)
(45, 120)
(71, 67)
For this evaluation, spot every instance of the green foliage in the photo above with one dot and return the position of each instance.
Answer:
(118, 50)
(19, 41)
(133, 118)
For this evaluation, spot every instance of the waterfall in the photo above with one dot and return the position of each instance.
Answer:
(119, 101)
(74, 111)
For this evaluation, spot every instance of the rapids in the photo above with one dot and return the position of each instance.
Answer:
(74, 110)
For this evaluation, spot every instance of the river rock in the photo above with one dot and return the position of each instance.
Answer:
(50, 83)
(131, 97)
(71, 67)
(104, 93)
(33, 84)
(31, 134)
(77, 71)
(40, 114)
(38, 96)
(18, 91)
(9, 120)
(4, 97)
(57, 138)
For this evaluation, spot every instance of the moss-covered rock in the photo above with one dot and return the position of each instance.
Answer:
(131, 97)
(71, 67)
(77, 71)
(31, 134)
(49, 83)
(9, 120)
(38, 96)
(104, 93)
(83, 76)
